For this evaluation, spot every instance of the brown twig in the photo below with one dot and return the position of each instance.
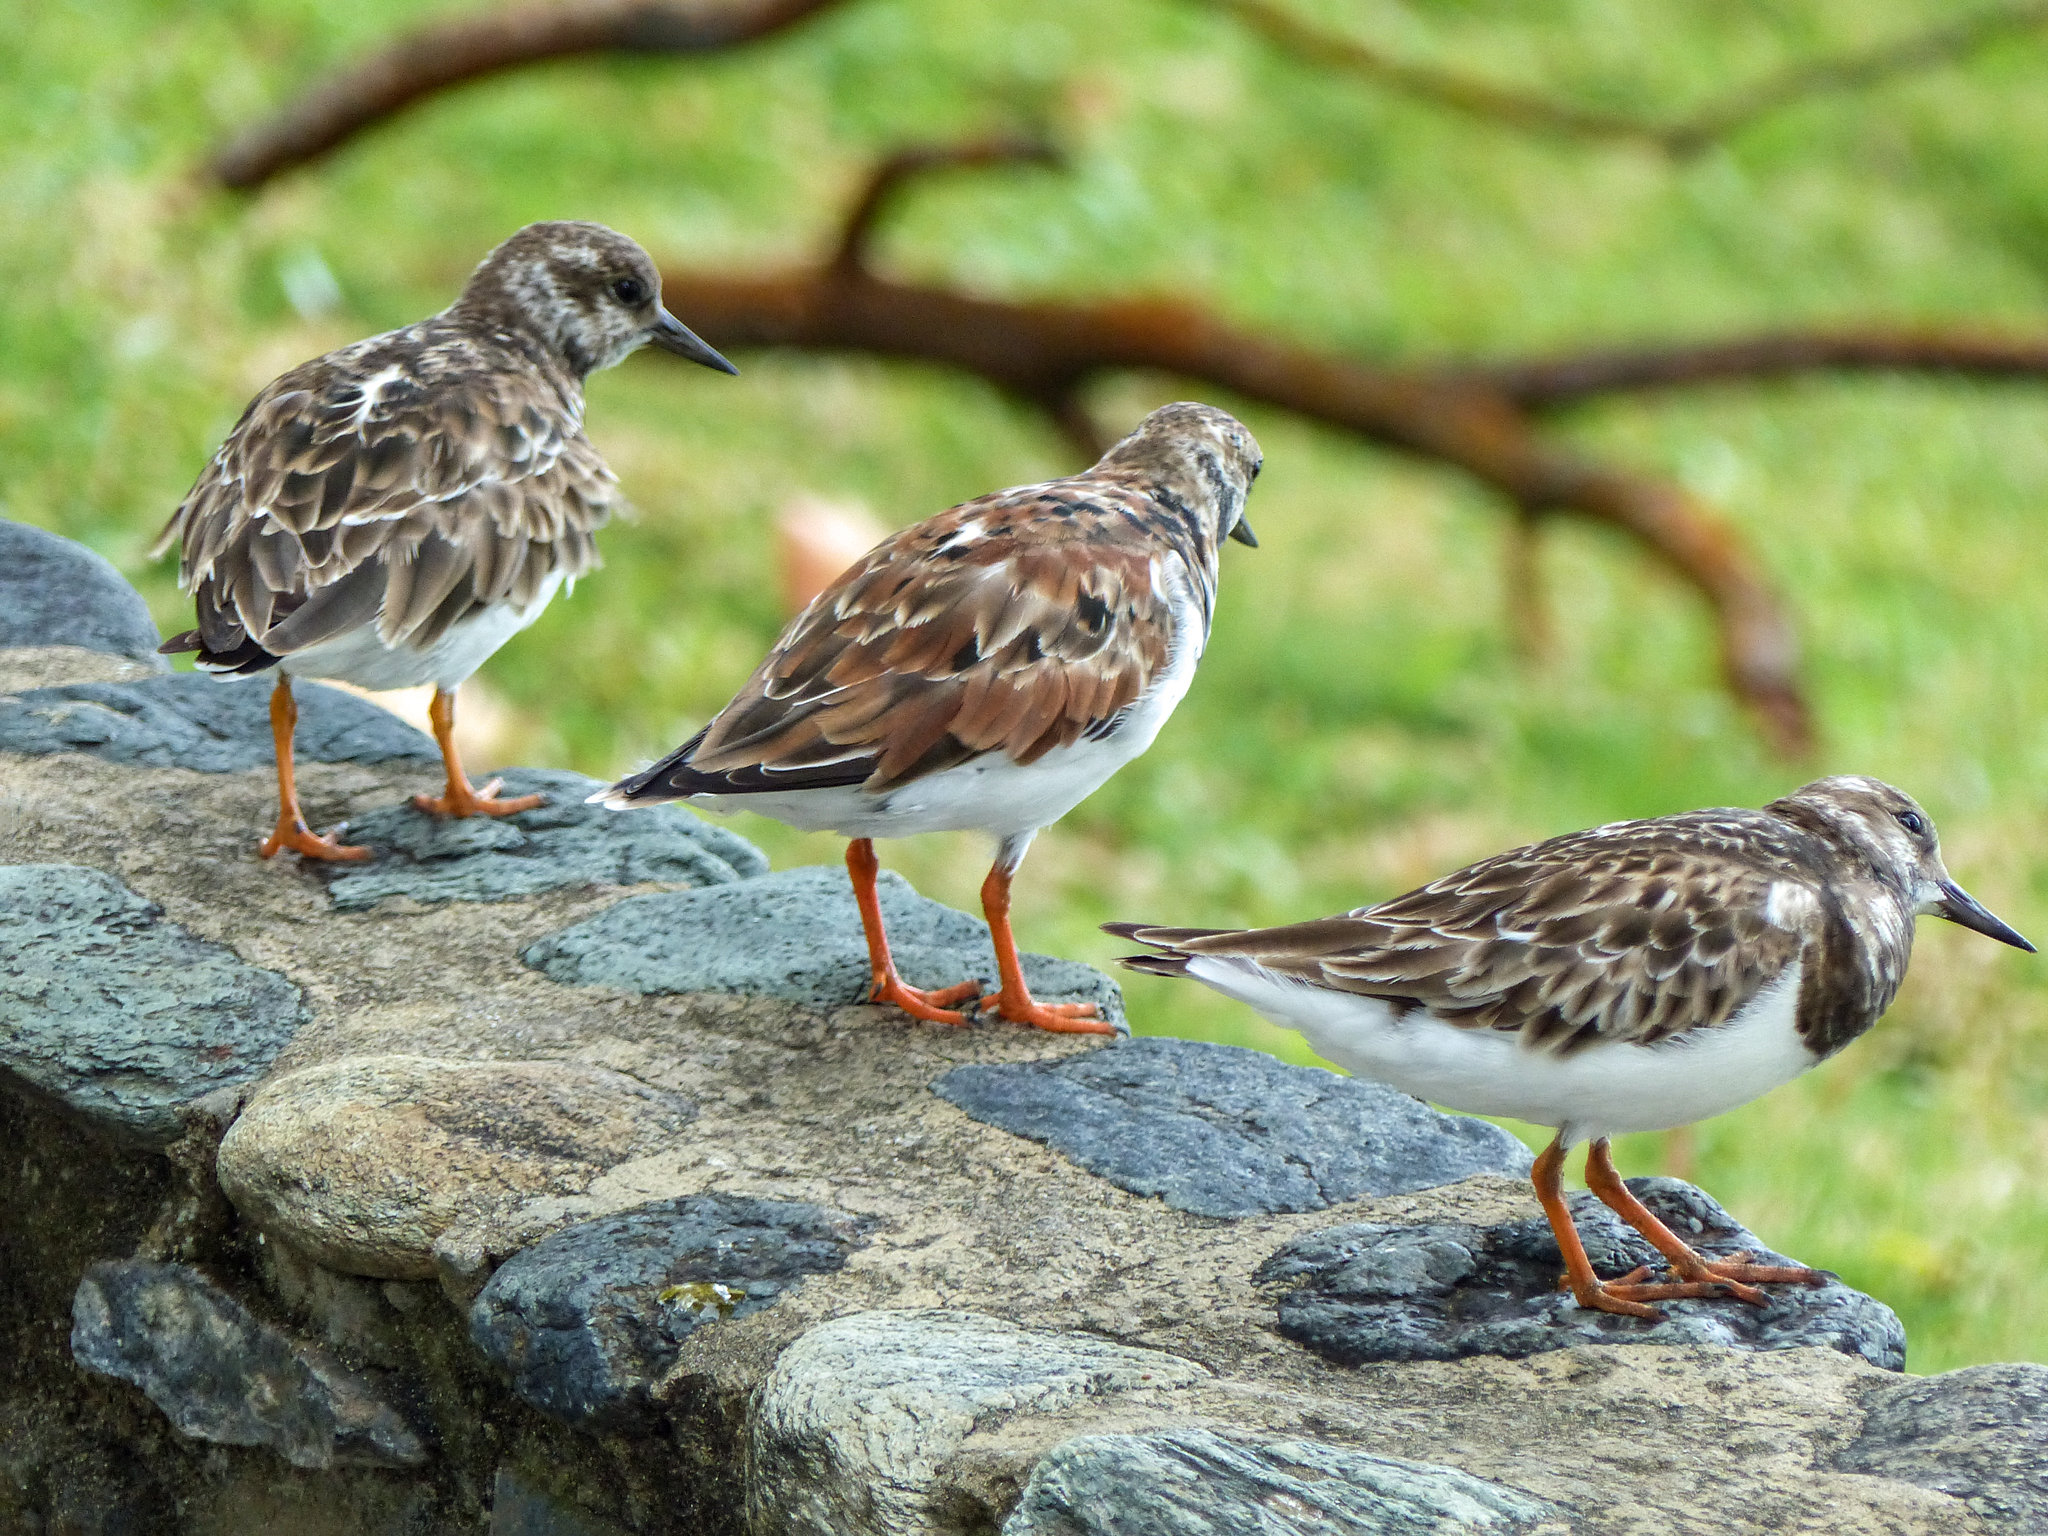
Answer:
(1047, 354)
(449, 53)
(1940, 44)
(887, 181)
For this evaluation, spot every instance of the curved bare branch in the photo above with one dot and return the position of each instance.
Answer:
(445, 54)
(887, 181)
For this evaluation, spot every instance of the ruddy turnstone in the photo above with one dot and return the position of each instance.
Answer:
(392, 513)
(985, 670)
(1636, 977)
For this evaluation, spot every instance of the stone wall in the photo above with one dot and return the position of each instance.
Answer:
(548, 1175)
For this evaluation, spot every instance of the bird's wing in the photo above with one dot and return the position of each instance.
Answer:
(1631, 932)
(406, 486)
(1015, 623)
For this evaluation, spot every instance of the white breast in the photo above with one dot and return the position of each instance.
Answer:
(1602, 1090)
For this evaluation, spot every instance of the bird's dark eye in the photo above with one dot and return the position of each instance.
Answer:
(629, 290)
(1913, 822)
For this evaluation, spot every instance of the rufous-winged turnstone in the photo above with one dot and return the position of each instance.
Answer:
(392, 513)
(985, 670)
(1635, 977)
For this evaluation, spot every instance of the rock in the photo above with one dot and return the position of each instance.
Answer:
(1192, 1482)
(219, 1374)
(1222, 1131)
(1440, 1291)
(518, 1509)
(55, 592)
(361, 1164)
(859, 1418)
(1979, 1434)
(793, 935)
(120, 1014)
(562, 843)
(587, 1322)
(190, 720)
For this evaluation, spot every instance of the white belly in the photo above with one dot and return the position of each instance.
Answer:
(359, 657)
(992, 794)
(1602, 1090)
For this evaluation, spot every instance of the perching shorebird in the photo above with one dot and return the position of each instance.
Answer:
(1636, 977)
(985, 670)
(390, 514)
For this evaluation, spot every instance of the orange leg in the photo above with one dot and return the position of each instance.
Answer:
(1734, 1275)
(291, 830)
(1015, 1002)
(889, 987)
(1626, 1295)
(461, 799)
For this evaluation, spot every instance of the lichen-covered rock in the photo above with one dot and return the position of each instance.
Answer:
(56, 592)
(1223, 1131)
(362, 1163)
(120, 1014)
(1979, 1434)
(793, 935)
(587, 1321)
(562, 843)
(220, 1374)
(1193, 1482)
(1440, 1291)
(860, 1417)
(189, 720)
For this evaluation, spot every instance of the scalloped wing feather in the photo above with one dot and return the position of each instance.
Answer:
(415, 475)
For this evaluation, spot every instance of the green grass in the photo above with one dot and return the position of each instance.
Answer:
(1362, 721)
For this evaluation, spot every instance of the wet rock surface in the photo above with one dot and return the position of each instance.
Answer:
(1979, 1434)
(56, 592)
(794, 935)
(221, 1375)
(188, 720)
(1373, 1292)
(586, 1322)
(362, 1164)
(1193, 1482)
(562, 843)
(1223, 1131)
(120, 1014)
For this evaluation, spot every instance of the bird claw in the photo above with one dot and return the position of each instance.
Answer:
(933, 1007)
(1057, 1018)
(461, 801)
(295, 835)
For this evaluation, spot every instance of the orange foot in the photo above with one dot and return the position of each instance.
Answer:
(290, 832)
(1739, 1278)
(1060, 1018)
(461, 801)
(933, 1007)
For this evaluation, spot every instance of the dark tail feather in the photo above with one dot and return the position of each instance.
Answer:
(1164, 938)
(652, 785)
(1156, 965)
(244, 659)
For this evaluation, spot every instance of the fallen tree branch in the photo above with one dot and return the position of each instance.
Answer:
(1944, 43)
(444, 54)
(1047, 353)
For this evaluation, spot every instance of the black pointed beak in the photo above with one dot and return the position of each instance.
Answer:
(1244, 535)
(671, 335)
(1959, 906)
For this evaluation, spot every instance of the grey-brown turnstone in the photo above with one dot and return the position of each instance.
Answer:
(1635, 977)
(391, 513)
(986, 671)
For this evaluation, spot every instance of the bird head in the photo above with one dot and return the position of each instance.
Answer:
(1886, 829)
(1202, 459)
(588, 293)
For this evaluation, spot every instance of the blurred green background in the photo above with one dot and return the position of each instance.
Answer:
(1363, 720)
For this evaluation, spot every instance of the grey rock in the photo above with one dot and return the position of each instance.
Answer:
(120, 1014)
(220, 1374)
(587, 1321)
(1979, 1434)
(519, 1509)
(1445, 1290)
(794, 935)
(858, 1424)
(190, 720)
(562, 843)
(1192, 1482)
(56, 592)
(1222, 1131)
